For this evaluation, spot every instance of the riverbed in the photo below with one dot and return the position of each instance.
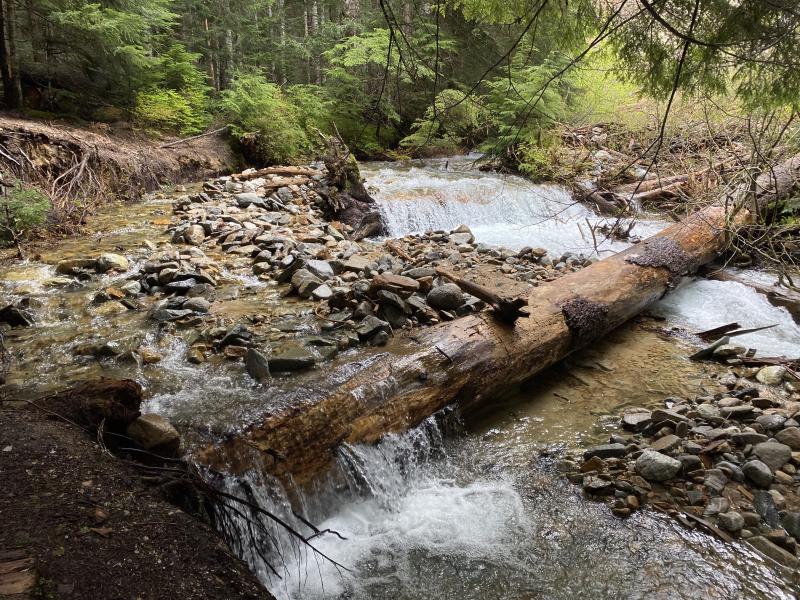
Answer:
(465, 506)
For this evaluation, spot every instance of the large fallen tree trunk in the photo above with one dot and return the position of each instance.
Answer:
(474, 358)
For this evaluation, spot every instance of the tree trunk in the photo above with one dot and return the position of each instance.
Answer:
(475, 358)
(12, 87)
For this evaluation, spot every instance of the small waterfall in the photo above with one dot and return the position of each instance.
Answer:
(501, 210)
(397, 493)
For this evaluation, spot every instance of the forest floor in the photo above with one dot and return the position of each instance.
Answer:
(79, 523)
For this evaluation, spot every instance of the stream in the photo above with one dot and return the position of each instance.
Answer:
(463, 506)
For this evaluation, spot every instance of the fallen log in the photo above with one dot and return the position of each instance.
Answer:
(286, 171)
(473, 359)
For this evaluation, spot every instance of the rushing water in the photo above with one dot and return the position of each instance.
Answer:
(481, 514)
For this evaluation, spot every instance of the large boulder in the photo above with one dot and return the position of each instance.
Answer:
(655, 466)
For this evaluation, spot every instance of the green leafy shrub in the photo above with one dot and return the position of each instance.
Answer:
(177, 100)
(455, 125)
(266, 123)
(22, 209)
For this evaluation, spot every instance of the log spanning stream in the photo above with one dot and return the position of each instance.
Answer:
(462, 506)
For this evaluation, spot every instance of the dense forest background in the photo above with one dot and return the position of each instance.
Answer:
(395, 77)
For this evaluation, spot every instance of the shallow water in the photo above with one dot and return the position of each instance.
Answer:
(476, 514)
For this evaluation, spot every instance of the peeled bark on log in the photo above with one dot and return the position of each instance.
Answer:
(473, 359)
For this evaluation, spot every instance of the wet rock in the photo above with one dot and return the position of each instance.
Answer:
(758, 472)
(194, 235)
(111, 262)
(256, 365)
(370, 326)
(655, 466)
(149, 357)
(636, 421)
(773, 454)
(790, 437)
(447, 296)
(291, 358)
(764, 505)
(772, 375)
(163, 314)
(72, 266)
(15, 316)
(605, 451)
(791, 523)
(661, 415)
(156, 434)
(199, 304)
(731, 521)
(380, 339)
(597, 486)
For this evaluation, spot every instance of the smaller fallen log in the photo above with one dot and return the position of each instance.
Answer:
(507, 310)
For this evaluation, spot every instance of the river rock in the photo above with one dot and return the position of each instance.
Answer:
(636, 421)
(789, 436)
(773, 454)
(447, 296)
(163, 314)
(320, 268)
(246, 199)
(194, 235)
(356, 263)
(291, 358)
(111, 262)
(155, 433)
(198, 304)
(597, 486)
(71, 266)
(708, 412)
(655, 466)
(774, 552)
(660, 415)
(772, 375)
(758, 472)
(304, 282)
(731, 521)
(764, 505)
(399, 284)
(666, 443)
(605, 451)
(791, 523)
(256, 365)
(16, 317)
(370, 326)
(322, 292)
(744, 438)
(771, 422)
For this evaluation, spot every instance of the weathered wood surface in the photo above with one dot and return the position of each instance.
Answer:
(473, 359)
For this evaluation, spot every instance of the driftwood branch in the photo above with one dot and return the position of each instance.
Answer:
(507, 310)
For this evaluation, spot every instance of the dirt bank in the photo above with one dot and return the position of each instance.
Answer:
(79, 523)
(81, 167)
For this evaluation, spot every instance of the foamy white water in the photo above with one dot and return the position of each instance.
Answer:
(701, 304)
(502, 210)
